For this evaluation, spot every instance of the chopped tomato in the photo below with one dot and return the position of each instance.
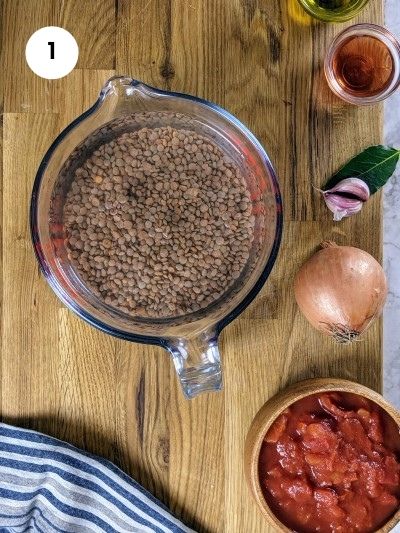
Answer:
(304, 513)
(274, 486)
(301, 428)
(298, 489)
(387, 499)
(325, 497)
(353, 432)
(330, 464)
(291, 457)
(364, 414)
(275, 472)
(358, 510)
(319, 438)
(390, 475)
(372, 473)
(327, 404)
(375, 432)
(277, 429)
(318, 459)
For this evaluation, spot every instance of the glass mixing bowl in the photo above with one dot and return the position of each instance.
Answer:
(125, 105)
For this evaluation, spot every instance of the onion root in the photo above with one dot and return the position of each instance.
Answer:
(343, 334)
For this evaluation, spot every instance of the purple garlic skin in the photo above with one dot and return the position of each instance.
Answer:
(346, 198)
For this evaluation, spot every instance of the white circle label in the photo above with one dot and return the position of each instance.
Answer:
(51, 52)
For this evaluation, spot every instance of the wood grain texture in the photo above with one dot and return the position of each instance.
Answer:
(262, 60)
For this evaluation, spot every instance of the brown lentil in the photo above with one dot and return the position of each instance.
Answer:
(152, 229)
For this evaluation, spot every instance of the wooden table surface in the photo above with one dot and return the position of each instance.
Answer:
(262, 60)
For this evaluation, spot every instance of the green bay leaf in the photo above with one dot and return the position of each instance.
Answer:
(374, 165)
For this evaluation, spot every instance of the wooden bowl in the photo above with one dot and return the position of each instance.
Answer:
(273, 408)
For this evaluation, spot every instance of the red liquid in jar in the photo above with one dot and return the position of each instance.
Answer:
(363, 66)
(330, 463)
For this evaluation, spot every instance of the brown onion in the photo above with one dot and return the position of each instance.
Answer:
(341, 290)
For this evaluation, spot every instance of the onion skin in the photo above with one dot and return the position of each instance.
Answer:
(341, 290)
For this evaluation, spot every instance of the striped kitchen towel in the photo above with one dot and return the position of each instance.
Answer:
(47, 485)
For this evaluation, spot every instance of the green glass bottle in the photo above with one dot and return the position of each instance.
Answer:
(333, 10)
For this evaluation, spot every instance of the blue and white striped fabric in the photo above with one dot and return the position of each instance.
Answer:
(49, 486)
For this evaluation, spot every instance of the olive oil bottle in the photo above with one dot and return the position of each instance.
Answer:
(333, 10)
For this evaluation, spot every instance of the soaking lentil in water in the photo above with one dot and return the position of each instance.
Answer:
(158, 222)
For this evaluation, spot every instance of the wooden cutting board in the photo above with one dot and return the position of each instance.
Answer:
(262, 60)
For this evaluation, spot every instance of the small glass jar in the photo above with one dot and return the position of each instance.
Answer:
(368, 62)
(333, 10)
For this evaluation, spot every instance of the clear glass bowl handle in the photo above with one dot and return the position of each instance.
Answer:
(197, 363)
